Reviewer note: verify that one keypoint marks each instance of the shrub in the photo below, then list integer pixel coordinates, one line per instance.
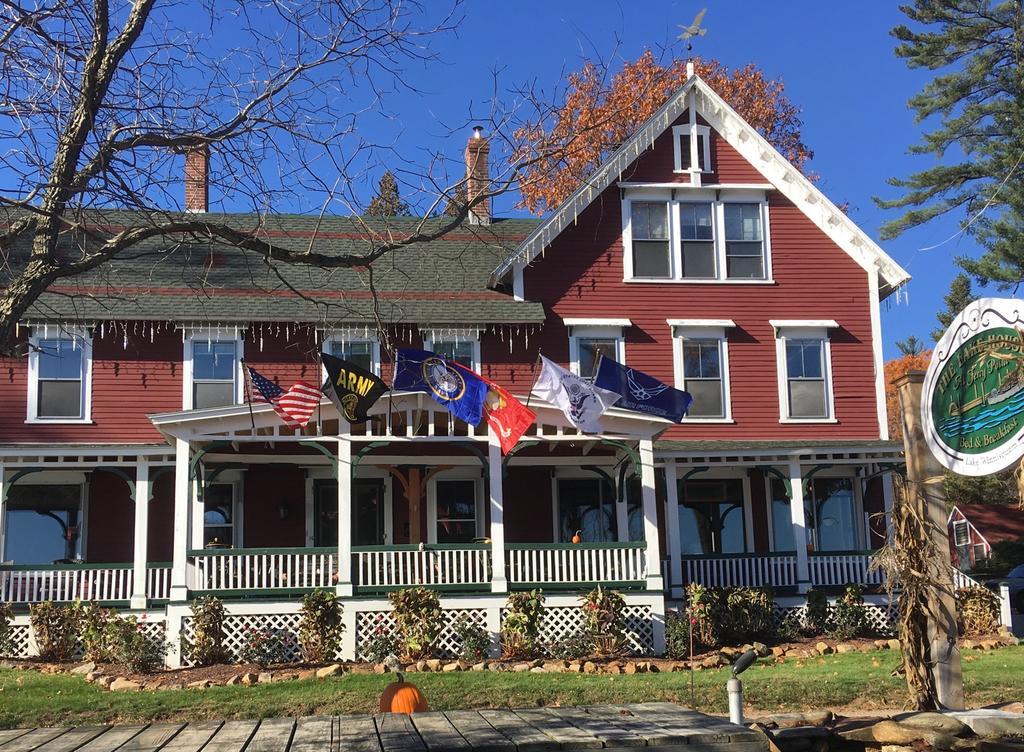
(977, 610)
(816, 613)
(848, 617)
(56, 630)
(604, 619)
(474, 640)
(419, 618)
(520, 631)
(723, 616)
(6, 630)
(382, 645)
(127, 644)
(573, 648)
(265, 647)
(320, 627)
(677, 635)
(94, 621)
(207, 644)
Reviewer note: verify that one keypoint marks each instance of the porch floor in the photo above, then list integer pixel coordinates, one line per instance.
(610, 726)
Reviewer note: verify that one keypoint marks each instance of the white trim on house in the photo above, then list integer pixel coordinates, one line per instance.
(460, 473)
(211, 335)
(778, 324)
(704, 164)
(804, 330)
(346, 336)
(722, 473)
(432, 336)
(753, 147)
(683, 329)
(81, 338)
(881, 409)
(621, 323)
(593, 330)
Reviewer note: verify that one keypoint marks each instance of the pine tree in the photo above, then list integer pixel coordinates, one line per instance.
(387, 202)
(978, 103)
(457, 202)
(957, 299)
(910, 346)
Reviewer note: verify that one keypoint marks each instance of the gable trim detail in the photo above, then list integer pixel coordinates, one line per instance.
(753, 147)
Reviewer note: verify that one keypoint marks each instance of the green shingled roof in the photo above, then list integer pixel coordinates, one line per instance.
(438, 282)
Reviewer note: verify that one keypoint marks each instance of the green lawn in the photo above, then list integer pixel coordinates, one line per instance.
(852, 680)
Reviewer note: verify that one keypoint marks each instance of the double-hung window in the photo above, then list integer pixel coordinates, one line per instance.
(362, 351)
(60, 372)
(652, 252)
(702, 366)
(592, 339)
(460, 346)
(696, 235)
(804, 361)
(213, 372)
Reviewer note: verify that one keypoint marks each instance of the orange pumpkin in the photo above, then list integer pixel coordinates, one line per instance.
(576, 538)
(402, 697)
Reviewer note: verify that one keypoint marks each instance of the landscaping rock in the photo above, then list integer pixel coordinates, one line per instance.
(323, 673)
(882, 644)
(893, 644)
(92, 676)
(83, 669)
(286, 676)
(845, 647)
(381, 668)
(630, 668)
(249, 678)
(481, 666)
(730, 652)
(589, 667)
(796, 720)
(434, 664)
(522, 668)
(890, 732)
(233, 681)
(199, 684)
(714, 661)
(989, 644)
(990, 745)
(422, 666)
(778, 651)
(554, 667)
(538, 670)
(931, 721)
(760, 648)
(968, 644)
(104, 681)
(992, 724)
(450, 667)
(823, 648)
(574, 667)
(265, 677)
(309, 673)
(613, 668)
(120, 684)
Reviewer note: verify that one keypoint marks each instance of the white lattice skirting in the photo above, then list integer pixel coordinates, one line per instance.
(373, 623)
(560, 624)
(883, 616)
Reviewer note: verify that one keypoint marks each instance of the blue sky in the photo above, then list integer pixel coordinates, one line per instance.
(836, 59)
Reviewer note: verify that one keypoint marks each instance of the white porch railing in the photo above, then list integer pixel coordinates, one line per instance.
(35, 583)
(741, 570)
(263, 569)
(961, 580)
(843, 568)
(158, 582)
(569, 564)
(452, 566)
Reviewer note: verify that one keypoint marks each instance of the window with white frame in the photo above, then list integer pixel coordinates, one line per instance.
(710, 236)
(652, 253)
(457, 514)
(60, 375)
(219, 515)
(43, 523)
(592, 339)
(702, 366)
(460, 346)
(804, 363)
(362, 351)
(961, 533)
(681, 137)
(213, 372)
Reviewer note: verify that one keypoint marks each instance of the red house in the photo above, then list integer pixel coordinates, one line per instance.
(975, 528)
(134, 473)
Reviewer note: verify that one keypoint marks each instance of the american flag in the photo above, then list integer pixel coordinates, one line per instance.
(295, 406)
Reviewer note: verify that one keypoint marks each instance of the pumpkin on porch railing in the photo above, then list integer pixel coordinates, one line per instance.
(576, 538)
(402, 697)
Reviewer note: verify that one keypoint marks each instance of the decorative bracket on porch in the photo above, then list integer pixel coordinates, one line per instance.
(18, 476)
(515, 450)
(358, 456)
(156, 474)
(122, 475)
(887, 467)
(774, 472)
(806, 484)
(331, 456)
(689, 474)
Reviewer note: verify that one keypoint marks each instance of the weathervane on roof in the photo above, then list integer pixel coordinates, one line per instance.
(693, 30)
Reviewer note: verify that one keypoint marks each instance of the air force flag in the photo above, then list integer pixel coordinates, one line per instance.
(458, 390)
(582, 402)
(642, 393)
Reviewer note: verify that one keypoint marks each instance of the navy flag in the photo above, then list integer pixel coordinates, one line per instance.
(642, 393)
(458, 390)
(352, 389)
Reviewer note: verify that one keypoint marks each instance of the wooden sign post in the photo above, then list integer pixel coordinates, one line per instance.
(926, 497)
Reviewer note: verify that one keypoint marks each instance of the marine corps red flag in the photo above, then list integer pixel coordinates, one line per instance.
(508, 417)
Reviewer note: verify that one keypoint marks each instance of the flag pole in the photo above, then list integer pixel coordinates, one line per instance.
(248, 398)
(529, 395)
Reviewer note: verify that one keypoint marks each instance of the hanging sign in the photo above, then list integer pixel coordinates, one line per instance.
(972, 404)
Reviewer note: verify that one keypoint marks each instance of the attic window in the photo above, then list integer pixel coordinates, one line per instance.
(681, 138)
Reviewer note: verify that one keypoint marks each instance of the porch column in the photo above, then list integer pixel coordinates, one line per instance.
(675, 545)
(179, 561)
(654, 578)
(887, 501)
(3, 510)
(796, 515)
(344, 587)
(499, 584)
(141, 549)
(622, 517)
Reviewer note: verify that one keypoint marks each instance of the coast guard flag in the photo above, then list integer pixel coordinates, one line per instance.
(640, 392)
(457, 389)
(582, 402)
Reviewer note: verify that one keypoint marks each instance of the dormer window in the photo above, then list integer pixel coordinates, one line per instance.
(681, 136)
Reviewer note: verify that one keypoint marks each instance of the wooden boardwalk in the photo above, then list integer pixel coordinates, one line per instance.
(660, 725)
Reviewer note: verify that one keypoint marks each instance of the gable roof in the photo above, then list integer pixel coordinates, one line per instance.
(753, 147)
(995, 522)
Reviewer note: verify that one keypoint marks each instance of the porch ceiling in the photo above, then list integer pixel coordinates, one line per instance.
(402, 416)
(768, 451)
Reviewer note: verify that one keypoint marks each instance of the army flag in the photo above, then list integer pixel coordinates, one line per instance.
(352, 389)
(640, 392)
(582, 402)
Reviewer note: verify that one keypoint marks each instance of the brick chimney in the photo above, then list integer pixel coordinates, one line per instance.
(197, 179)
(478, 176)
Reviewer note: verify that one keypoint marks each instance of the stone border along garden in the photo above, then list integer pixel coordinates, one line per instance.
(119, 655)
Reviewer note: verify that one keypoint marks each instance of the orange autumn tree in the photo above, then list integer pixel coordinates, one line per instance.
(598, 114)
(893, 370)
